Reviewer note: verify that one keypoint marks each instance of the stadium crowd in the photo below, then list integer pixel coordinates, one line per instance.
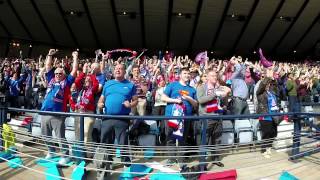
(170, 86)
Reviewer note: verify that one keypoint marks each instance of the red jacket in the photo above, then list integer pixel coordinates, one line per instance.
(72, 102)
(85, 101)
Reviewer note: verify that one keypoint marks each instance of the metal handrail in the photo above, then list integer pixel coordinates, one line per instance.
(129, 117)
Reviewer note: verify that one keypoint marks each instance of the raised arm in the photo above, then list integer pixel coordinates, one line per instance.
(23, 78)
(49, 60)
(129, 68)
(103, 62)
(265, 82)
(262, 87)
(95, 84)
(237, 71)
(79, 79)
(34, 80)
(75, 55)
(171, 66)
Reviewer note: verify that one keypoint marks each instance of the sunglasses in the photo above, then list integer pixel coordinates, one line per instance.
(58, 73)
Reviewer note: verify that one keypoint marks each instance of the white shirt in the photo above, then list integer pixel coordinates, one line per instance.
(159, 93)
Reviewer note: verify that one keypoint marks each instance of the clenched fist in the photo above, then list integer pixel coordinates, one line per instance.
(75, 54)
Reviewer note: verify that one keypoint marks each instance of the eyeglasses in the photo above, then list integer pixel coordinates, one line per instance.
(58, 73)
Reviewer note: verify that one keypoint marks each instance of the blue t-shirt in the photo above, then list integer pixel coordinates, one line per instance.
(115, 93)
(57, 93)
(15, 85)
(50, 75)
(173, 91)
(101, 78)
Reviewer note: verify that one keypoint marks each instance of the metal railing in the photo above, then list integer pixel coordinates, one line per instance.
(204, 148)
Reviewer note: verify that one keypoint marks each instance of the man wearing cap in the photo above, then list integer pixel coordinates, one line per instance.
(58, 88)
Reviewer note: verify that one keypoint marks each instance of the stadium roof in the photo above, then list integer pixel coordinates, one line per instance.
(221, 26)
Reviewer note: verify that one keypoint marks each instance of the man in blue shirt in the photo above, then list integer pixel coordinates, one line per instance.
(239, 88)
(15, 85)
(118, 97)
(55, 100)
(179, 93)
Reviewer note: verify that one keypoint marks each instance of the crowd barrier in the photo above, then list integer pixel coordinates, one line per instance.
(202, 150)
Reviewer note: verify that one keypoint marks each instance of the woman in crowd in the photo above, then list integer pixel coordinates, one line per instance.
(159, 106)
(87, 87)
(267, 104)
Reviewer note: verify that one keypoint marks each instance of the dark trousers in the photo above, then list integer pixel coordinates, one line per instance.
(268, 130)
(28, 98)
(160, 111)
(294, 106)
(96, 131)
(173, 144)
(119, 127)
(239, 107)
(250, 89)
(13, 101)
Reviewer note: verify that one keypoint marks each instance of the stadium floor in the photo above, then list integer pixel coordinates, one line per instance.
(249, 164)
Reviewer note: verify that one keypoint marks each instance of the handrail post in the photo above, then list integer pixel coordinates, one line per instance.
(82, 129)
(80, 147)
(203, 143)
(82, 143)
(3, 119)
(296, 130)
(1, 123)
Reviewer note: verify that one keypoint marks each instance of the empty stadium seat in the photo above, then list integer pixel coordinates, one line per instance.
(227, 132)
(70, 129)
(244, 130)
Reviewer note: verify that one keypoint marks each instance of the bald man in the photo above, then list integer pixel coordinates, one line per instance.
(118, 97)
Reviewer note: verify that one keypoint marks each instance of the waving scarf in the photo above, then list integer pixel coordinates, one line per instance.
(201, 57)
(263, 60)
